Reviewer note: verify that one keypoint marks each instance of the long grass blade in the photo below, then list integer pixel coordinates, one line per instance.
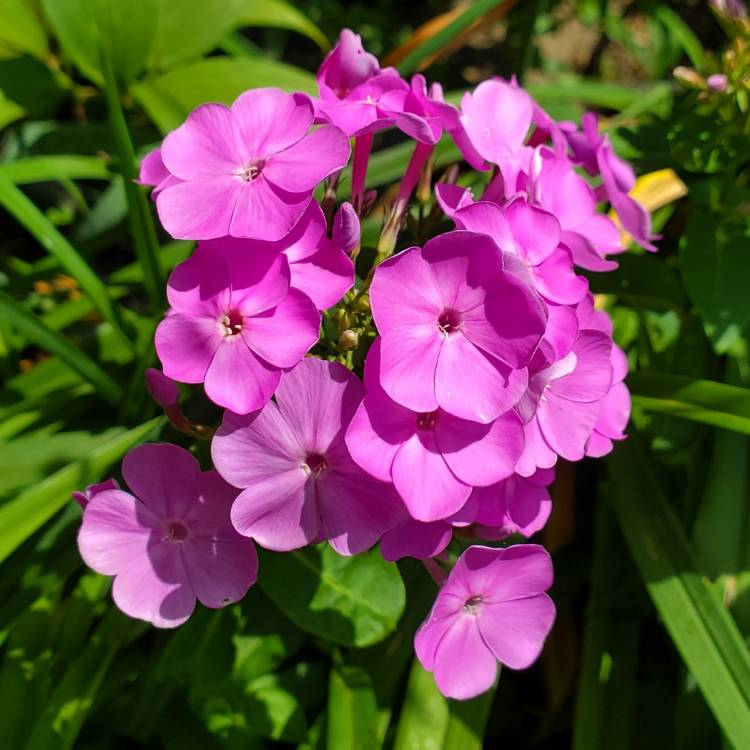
(57, 344)
(22, 516)
(57, 167)
(141, 219)
(707, 401)
(701, 628)
(29, 216)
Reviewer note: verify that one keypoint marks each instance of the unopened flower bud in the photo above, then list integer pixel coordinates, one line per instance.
(348, 340)
(162, 389)
(346, 228)
(362, 303)
(689, 77)
(717, 82)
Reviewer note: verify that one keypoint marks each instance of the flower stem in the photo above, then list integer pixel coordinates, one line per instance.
(362, 148)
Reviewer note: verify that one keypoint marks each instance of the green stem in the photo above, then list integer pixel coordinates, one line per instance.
(467, 721)
(140, 215)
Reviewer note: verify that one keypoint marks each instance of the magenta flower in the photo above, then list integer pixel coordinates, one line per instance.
(563, 401)
(248, 170)
(318, 266)
(154, 173)
(83, 498)
(346, 231)
(170, 542)
(417, 539)
(533, 235)
(496, 117)
(493, 607)
(235, 328)
(299, 483)
(432, 458)
(517, 505)
(449, 315)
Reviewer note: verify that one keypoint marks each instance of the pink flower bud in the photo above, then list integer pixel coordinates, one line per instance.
(162, 389)
(84, 497)
(346, 229)
(717, 82)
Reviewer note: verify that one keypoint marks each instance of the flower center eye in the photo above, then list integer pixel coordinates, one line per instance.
(473, 604)
(176, 532)
(315, 464)
(427, 420)
(250, 171)
(231, 323)
(449, 322)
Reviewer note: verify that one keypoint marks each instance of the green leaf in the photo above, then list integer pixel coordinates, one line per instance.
(424, 714)
(27, 214)
(715, 266)
(590, 92)
(9, 111)
(21, 517)
(718, 404)
(700, 627)
(54, 343)
(125, 29)
(141, 219)
(432, 45)
(188, 29)
(467, 720)
(59, 167)
(20, 29)
(58, 726)
(352, 710)
(607, 691)
(683, 35)
(280, 14)
(169, 98)
(354, 601)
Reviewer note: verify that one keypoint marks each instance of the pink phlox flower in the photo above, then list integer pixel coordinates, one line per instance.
(345, 67)
(299, 483)
(318, 267)
(517, 505)
(84, 497)
(533, 236)
(248, 170)
(449, 315)
(593, 151)
(496, 118)
(153, 173)
(451, 197)
(563, 401)
(615, 410)
(433, 458)
(492, 608)
(234, 326)
(168, 541)
(553, 185)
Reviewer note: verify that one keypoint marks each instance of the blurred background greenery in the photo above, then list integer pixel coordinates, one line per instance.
(651, 548)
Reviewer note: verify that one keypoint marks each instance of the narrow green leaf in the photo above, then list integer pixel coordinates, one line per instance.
(141, 218)
(683, 35)
(354, 601)
(70, 703)
(605, 699)
(126, 29)
(590, 92)
(432, 45)
(467, 720)
(352, 710)
(718, 404)
(169, 98)
(424, 714)
(58, 167)
(56, 344)
(21, 517)
(280, 14)
(27, 214)
(20, 29)
(700, 627)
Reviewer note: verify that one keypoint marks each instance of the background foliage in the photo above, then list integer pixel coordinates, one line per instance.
(652, 549)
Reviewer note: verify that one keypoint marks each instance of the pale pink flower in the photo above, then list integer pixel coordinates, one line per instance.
(169, 540)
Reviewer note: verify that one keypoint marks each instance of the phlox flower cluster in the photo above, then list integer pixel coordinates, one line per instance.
(468, 362)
